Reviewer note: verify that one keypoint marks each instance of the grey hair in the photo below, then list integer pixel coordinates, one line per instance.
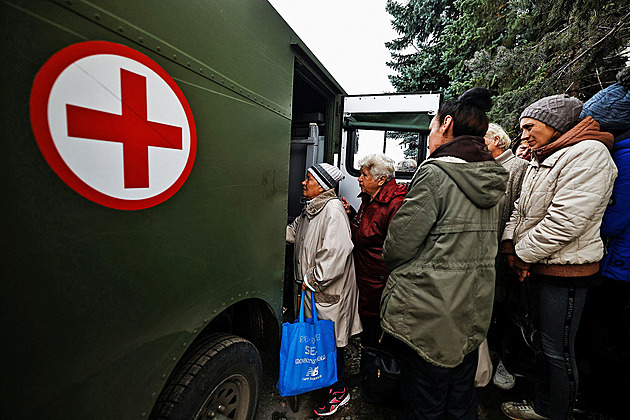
(496, 130)
(407, 165)
(378, 165)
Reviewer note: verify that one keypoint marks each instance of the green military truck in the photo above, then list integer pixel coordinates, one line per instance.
(153, 156)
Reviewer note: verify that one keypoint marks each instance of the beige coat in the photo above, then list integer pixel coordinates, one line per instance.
(517, 168)
(557, 217)
(323, 253)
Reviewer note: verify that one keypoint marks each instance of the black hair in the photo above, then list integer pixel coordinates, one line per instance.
(468, 112)
(516, 142)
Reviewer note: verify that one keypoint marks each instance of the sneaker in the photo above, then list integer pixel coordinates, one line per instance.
(337, 399)
(502, 378)
(520, 411)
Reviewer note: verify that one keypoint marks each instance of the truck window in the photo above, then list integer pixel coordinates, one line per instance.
(405, 148)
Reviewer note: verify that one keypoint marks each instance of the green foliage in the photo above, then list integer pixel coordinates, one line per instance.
(408, 141)
(521, 50)
(417, 54)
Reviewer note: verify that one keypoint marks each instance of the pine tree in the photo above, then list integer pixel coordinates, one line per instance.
(417, 56)
(520, 49)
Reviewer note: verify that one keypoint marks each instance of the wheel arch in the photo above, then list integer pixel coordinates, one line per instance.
(252, 319)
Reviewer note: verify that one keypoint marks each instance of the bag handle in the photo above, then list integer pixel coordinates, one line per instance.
(313, 310)
(301, 316)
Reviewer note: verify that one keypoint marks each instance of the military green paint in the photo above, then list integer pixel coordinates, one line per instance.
(100, 304)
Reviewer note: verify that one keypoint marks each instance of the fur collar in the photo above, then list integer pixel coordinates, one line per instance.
(318, 203)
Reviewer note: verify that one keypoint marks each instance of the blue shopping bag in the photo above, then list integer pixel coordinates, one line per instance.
(308, 354)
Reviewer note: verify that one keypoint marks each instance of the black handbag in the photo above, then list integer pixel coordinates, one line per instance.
(521, 349)
(380, 376)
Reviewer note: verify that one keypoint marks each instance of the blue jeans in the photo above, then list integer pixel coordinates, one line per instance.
(556, 311)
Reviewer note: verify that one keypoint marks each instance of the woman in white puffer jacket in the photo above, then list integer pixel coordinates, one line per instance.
(552, 240)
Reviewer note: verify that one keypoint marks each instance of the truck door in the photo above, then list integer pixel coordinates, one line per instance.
(394, 124)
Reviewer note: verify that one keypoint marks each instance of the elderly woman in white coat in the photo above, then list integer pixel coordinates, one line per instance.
(324, 265)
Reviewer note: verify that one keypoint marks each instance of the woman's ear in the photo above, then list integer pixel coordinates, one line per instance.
(556, 135)
(447, 124)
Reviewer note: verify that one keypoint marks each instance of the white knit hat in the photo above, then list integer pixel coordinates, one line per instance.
(326, 175)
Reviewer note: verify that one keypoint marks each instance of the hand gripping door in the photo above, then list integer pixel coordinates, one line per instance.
(308, 354)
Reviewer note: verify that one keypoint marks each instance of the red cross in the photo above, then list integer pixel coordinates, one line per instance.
(132, 129)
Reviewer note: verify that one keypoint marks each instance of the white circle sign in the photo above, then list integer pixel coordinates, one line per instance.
(115, 127)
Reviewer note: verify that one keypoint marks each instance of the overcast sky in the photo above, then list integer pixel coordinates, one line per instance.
(348, 37)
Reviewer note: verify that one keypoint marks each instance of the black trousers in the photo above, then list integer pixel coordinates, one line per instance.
(602, 345)
(341, 371)
(432, 392)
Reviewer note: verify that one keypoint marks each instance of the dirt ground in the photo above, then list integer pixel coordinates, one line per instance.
(274, 407)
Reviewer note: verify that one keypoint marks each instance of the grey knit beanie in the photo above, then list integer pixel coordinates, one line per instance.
(561, 112)
(326, 175)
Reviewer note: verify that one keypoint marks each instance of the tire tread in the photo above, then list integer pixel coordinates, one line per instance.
(190, 366)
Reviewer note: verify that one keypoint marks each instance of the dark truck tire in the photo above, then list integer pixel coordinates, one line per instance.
(219, 379)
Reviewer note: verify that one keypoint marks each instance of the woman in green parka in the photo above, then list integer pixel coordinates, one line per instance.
(440, 251)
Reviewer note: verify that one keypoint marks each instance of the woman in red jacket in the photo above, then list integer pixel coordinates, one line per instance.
(381, 198)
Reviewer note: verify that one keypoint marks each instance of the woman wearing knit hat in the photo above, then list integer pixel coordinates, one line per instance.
(605, 334)
(324, 265)
(552, 240)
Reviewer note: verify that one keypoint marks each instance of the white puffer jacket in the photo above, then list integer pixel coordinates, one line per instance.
(563, 198)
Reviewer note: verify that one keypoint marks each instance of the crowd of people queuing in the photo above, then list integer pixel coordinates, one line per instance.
(433, 266)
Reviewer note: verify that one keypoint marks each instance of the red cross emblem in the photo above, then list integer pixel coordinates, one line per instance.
(113, 125)
(132, 129)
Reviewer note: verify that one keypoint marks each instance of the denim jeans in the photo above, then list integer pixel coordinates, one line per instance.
(556, 311)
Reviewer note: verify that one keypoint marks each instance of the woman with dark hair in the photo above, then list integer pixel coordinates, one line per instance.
(440, 252)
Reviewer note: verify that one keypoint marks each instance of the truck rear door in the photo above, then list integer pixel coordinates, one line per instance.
(394, 124)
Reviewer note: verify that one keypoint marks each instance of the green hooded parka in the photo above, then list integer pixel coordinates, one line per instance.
(440, 251)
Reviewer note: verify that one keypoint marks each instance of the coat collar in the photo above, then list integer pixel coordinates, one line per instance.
(468, 148)
(587, 129)
(318, 203)
(390, 190)
(506, 156)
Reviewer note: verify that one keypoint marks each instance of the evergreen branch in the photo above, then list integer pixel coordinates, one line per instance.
(618, 26)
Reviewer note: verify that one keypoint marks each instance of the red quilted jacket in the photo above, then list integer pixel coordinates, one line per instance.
(369, 229)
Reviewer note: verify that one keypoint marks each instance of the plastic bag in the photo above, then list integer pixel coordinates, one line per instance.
(308, 354)
(484, 365)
